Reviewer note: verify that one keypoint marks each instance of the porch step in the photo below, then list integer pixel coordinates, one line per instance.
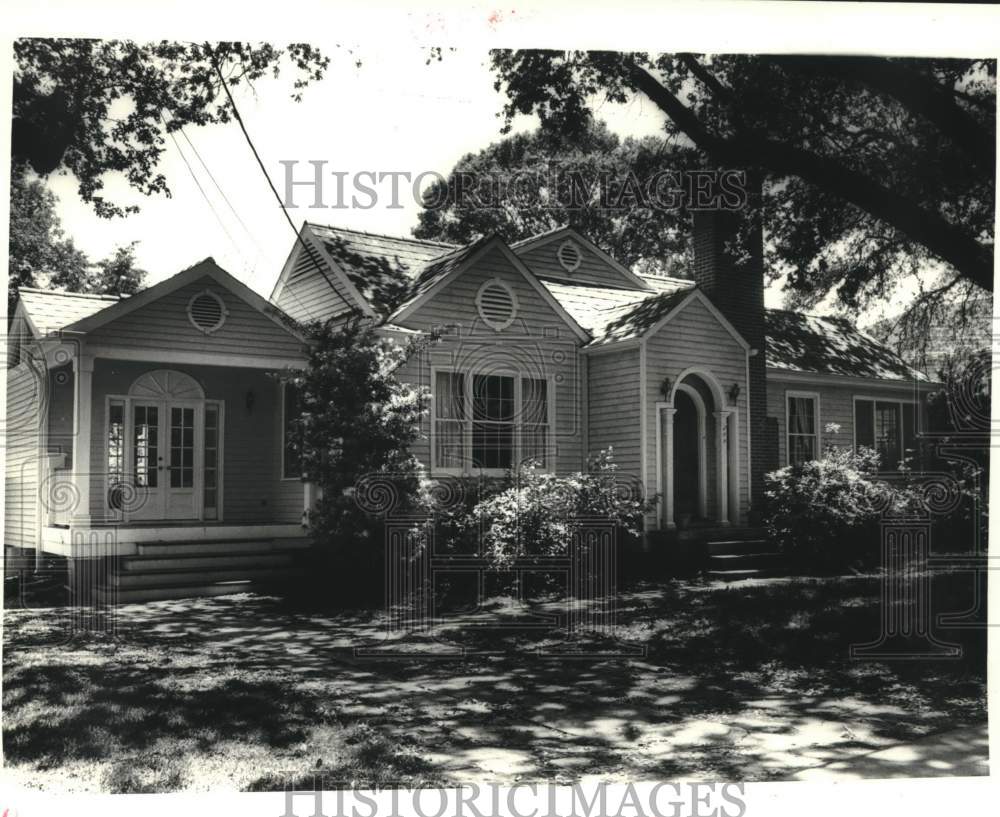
(177, 570)
(228, 561)
(135, 595)
(220, 547)
(182, 578)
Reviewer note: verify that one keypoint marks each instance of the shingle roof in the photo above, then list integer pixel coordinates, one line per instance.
(611, 314)
(391, 272)
(810, 343)
(52, 310)
(382, 267)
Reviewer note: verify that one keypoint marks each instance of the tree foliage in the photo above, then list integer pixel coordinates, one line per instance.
(355, 425)
(40, 254)
(93, 107)
(38, 245)
(527, 184)
(878, 173)
(118, 274)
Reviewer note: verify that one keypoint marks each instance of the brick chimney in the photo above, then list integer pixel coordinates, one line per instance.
(732, 276)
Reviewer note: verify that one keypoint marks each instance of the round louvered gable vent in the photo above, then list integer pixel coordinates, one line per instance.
(569, 256)
(497, 304)
(207, 311)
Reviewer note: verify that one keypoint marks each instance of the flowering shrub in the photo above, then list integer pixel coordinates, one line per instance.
(826, 511)
(538, 512)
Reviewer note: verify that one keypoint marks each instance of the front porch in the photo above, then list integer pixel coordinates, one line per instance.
(102, 540)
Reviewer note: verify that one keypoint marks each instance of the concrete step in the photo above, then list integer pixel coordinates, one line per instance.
(724, 546)
(193, 578)
(133, 595)
(733, 561)
(223, 561)
(223, 546)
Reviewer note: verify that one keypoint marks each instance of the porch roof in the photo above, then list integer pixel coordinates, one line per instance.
(52, 310)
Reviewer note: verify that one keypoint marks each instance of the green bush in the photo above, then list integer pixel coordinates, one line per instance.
(825, 513)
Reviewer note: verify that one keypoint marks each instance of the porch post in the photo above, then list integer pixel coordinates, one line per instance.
(83, 374)
(668, 468)
(721, 435)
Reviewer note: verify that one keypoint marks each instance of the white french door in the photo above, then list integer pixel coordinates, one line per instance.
(166, 456)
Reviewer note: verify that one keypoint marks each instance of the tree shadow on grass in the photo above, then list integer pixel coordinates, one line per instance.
(746, 683)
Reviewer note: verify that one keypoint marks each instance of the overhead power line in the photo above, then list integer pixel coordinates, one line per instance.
(208, 201)
(310, 251)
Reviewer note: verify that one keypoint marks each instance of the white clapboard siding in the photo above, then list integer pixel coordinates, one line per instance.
(164, 324)
(695, 338)
(593, 269)
(836, 405)
(23, 440)
(538, 343)
(308, 295)
(613, 412)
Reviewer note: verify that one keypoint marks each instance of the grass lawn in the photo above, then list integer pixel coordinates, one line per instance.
(748, 682)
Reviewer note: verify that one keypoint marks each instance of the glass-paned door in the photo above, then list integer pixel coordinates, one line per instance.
(146, 462)
(180, 494)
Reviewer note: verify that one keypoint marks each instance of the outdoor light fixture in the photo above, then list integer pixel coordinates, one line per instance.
(251, 398)
(734, 393)
(665, 387)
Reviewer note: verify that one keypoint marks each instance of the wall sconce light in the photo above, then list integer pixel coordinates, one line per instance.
(666, 387)
(734, 393)
(251, 398)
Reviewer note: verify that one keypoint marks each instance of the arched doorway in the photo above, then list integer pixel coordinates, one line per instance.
(689, 429)
(161, 454)
(698, 440)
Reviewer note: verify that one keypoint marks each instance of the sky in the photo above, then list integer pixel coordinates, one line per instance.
(395, 112)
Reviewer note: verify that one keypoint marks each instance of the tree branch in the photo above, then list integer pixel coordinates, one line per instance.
(917, 93)
(942, 238)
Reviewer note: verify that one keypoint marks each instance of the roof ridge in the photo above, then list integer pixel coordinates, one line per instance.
(384, 235)
(67, 293)
(812, 315)
(544, 233)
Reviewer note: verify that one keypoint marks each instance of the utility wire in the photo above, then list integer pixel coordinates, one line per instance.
(222, 193)
(310, 251)
(208, 201)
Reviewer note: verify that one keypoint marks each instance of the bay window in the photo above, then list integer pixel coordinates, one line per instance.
(489, 422)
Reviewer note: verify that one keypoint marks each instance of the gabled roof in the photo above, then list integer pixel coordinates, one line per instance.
(526, 245)
(822, 345)
(49, 311)
(441, 271)
(119, 307)
(382, 268)
(612, 315)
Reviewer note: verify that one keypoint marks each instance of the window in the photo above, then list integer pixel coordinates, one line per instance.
(181, 447)
(145, 445)
(116, 453)
(490, 422)
(888, 426)
(291, 461)
(449, 432)
(210, 489)
(802, 410)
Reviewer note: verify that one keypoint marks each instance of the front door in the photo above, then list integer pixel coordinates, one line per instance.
(687, 452)
(166, 466)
